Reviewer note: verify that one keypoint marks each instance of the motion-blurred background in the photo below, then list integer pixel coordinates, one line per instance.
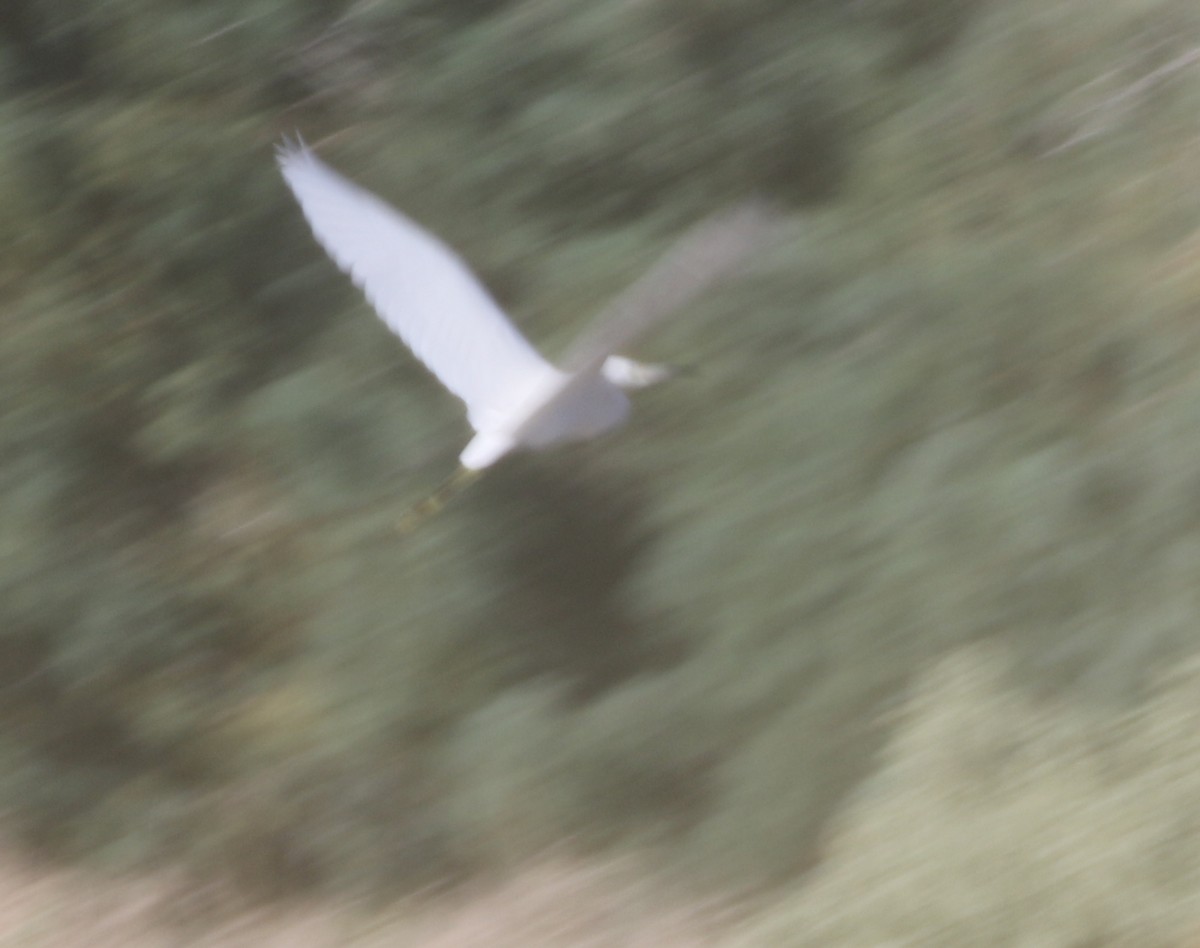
(878, 628)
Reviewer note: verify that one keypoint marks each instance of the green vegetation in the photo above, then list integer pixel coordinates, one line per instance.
(872, 612)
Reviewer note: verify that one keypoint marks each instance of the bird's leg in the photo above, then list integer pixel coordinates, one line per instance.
(461, 479)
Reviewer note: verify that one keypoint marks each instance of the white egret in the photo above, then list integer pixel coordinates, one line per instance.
(427, 296)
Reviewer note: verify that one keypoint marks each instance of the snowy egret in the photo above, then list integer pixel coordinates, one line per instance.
(427, 296)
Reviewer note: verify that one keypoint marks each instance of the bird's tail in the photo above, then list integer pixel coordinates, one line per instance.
(421, 511)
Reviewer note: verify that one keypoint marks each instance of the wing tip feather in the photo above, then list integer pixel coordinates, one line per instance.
(292, 149)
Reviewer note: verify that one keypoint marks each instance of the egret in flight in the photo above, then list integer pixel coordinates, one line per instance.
(428, 297)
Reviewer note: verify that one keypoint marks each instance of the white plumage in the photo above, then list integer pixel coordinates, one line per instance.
(426, 295)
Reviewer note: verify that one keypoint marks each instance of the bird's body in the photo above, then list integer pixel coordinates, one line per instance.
(426, 295)
(556, 409)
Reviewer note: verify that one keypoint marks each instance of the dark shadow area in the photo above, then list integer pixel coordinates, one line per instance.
(51, 48)
(572, 542)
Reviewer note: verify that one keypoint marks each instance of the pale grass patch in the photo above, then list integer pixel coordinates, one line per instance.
(559, 901)
(1004, 817)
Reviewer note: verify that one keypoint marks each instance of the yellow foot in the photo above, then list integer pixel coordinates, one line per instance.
(421, 511)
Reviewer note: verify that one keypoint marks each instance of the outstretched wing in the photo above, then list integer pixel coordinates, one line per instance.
(421, 289)
(708, 253)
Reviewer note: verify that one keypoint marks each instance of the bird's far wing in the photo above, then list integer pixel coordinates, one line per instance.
(419, 287)
(711, 251)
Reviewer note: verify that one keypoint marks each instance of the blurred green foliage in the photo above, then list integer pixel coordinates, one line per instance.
(955, 402)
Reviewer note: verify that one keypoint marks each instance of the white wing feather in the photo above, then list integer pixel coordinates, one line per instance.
(421, 289)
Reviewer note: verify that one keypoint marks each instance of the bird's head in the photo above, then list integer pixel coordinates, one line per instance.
(629, 374)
